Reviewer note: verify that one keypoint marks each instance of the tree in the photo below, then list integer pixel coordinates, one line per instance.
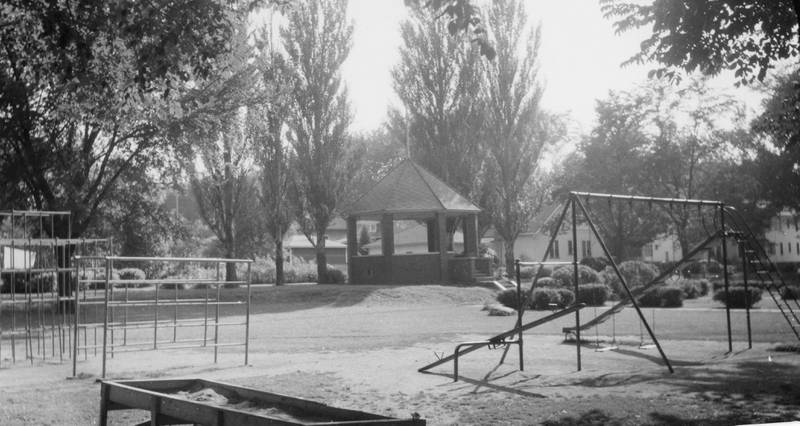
(463, 16)
(88, 90)
(318, 40)
(265, 131)
(225, 192)
(745, 36)
(611, 160)
(517, 129)
(438, 80)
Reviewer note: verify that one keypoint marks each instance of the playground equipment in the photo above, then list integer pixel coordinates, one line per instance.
(731, 226)
(170, 402)
(35, 309)
(499, 341)
(135, 314)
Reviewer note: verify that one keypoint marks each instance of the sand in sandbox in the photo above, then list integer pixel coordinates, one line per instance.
(230, 399)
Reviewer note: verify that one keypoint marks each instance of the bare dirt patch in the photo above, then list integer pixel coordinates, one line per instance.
(363, 353)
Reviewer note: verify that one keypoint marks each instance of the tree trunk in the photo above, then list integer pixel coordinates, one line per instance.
(508, 246)
(278, 261)
(322, 260)
(230, 267)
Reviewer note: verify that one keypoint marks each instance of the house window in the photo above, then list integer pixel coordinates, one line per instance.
(781, 249)
(647, 250)
(569, 247)
(789, 247)
(666, 256)
(771, 248)
(553, 252)
(586, 248)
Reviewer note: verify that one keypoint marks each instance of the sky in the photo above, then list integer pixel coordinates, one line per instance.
(580, 59)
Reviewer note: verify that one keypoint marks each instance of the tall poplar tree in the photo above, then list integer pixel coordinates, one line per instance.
(517, 129)
(318, 39)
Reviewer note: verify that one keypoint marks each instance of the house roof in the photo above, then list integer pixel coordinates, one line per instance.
(409, 188)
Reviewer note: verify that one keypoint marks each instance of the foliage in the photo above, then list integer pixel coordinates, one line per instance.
(566, 274)
(790, 293)
(23, 283)
(264, 133)
(698, 267)
(132, 274)
(547, 282)
(593, 294)
(508, 297)
(596, 263)
(635, 272)
(91, 90)
(438, 80)
(662, 297)
(317, 41)
(744, 36)
(567, 296)
(335, 276)
(543, 298)
(463, 16)
(738, 298)
(517, 130)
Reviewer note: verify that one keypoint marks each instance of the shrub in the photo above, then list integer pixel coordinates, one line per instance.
(593, 294)
(636, 273)
(662, 297)
(692, 288)
(547, 282)
(596, 263)
(567, 296)
(565, 275)
(704, 286)
(698, 267)
(24, 283)
(132, 274)
(42, 283)
(335, 276)
(738, 298)
(543, 297)
(528, 272)
(790, 293)
(508, 298)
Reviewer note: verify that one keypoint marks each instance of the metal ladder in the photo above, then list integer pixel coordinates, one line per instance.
(756, 261)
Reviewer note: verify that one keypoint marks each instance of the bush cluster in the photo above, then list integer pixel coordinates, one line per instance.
(541, 299)
(565, 276)
(738, 298)
(790, 293)
(596, 263)
(28, 283)
(662, 297)
(131, 274)
(692, 288)
(528, 272)
(636, 273)
(593, 294)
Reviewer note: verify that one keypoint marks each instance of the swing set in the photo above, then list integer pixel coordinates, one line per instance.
(757, 270)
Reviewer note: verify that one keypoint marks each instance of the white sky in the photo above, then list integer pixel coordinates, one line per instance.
(580, 58)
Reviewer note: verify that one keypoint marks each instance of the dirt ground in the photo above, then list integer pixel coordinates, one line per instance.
(361, 350)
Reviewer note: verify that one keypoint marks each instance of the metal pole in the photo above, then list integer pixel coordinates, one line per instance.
(247, 318)
(77, 312)
(520, 307)
(155, 318)
(725, 274)
(624, 283)
(575, 276)
(745, 265)
(216, 317)
(105, 316)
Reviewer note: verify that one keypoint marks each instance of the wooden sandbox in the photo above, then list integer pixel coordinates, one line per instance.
(206, 402)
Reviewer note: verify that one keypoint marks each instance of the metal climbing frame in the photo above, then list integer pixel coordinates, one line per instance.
(35, 308)
(141, 314)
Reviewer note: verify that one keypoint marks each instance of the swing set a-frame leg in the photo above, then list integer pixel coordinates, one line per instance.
(614, 265)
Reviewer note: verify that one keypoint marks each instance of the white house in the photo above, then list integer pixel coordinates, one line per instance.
(665, 248)
(531, 244)
(783, 237)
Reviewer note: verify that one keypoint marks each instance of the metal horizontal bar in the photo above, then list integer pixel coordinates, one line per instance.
(35, 213)
(164, 324)
(161, 303)
(546, 263)
(208, 345)
(647, 199)
(178, 259)
(30, 242)
(36, 270)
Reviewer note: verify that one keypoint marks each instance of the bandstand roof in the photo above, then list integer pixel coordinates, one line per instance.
(409, 189)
